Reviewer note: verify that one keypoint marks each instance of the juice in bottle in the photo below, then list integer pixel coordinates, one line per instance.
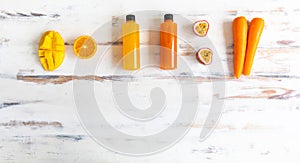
(131, 44)
(168, 43)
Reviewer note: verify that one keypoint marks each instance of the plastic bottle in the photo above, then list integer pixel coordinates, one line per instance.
(168, 43)
(131, 44)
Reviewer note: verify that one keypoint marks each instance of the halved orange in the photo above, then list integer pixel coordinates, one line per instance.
(85, 47)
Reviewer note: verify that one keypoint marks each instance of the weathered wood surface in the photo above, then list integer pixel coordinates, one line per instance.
(38, 119)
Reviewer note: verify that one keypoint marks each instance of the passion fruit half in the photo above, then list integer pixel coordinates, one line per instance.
(201, 28)
(204, 56)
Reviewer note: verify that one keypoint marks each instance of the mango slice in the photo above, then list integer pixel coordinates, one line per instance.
(51, 50)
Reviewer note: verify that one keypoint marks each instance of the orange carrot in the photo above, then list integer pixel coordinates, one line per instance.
(255, 31)
(240, 31)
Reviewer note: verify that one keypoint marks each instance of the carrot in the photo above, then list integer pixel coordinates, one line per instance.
(255, 31)
(240, 31)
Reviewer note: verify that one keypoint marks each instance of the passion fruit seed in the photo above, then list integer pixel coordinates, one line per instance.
(201, 28)
(204, 56)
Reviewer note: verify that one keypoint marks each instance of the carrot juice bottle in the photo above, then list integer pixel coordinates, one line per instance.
(168, 43)
(131, 44)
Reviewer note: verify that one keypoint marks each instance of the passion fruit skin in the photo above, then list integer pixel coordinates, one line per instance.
(200, 60)
(199, 21)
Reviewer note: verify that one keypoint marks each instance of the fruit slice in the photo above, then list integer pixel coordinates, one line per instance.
(204, 56)
(201, 28)
(51, 50)
(85, 47)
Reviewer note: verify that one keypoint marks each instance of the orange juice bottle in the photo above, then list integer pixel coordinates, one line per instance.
(168, 43)
(131, 44)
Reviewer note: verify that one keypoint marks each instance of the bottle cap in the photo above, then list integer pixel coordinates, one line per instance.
(168, 17)
(130, 17)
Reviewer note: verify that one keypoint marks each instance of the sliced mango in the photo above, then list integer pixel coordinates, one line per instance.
(51, 50)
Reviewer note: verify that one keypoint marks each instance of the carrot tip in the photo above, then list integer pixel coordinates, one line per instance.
(246, 73)
(237, 76)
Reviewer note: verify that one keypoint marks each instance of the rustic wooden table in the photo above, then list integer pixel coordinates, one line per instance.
(38, 117)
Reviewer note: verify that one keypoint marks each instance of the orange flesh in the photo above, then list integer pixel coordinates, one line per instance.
(85, 47)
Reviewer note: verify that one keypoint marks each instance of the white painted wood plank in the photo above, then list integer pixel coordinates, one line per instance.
(24, 45)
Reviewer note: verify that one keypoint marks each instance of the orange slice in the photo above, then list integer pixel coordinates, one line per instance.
(85, 47)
